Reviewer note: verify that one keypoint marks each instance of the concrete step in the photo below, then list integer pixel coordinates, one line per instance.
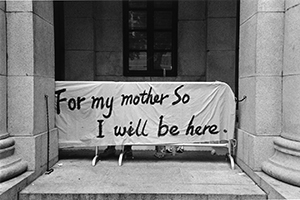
(191, 175)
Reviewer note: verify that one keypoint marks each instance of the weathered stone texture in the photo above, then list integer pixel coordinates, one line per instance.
(221, 34)
(191, 10)
(291, 107)
(250, 148)
(2, 43)
(292, 41)
(222, 8)
(20, 44)
(3, 112)
(79, 34)
(79, 65)
(221, 67)
(247, 50)
(269, 43)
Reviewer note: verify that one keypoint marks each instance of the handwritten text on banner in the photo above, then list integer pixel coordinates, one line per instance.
(118, 113)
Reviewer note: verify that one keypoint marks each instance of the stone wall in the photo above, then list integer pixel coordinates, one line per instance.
(291, 72)
(30, 76)
(206, 41)
(285, 163)
(3, 79)
(260, 79)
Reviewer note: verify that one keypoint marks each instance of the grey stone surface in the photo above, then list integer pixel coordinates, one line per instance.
(36, 150)
(268, 106)
(191, 175)
(26, 104)
(108, 10)
(20, 43)
(292, 41)
(221, 34)
(43, 86)
(291, 106)
(79, 65)
(221, 67)
(262, 109)
(191, 64)
(9, 190)
(24, 6)
(260, 144)
(247, 111)
(80, 9)
(223, 8)
(247, 51)
(191, 36)
(2, 43)
(43, 47)
(109, 35)
(240, 144)
(285, 163)
(250, 148)
(191, 10)
(269, 44)
(2, 5)
(3, 112)
(191, 48)
(20, 96)
(291, 3)
(79, 34)
(109, 63)
(277, 189)
(247, 9)
(271, 5)
(263, 181)
(44, 9)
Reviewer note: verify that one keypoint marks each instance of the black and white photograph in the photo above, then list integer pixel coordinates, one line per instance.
(149, 99)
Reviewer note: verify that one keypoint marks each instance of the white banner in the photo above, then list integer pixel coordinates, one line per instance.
(143, 113)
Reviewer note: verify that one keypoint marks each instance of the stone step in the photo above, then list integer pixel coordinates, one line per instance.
(136, 196)
(191, 175)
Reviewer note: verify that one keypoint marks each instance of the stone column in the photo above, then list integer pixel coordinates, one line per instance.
(10, 164)
(30, 76)
(260, 79)
(285, 164)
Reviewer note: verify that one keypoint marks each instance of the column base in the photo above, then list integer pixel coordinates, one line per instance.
(284, 165)
(10, 165)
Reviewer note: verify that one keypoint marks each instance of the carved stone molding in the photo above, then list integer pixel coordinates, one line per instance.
(10, 165)
(284, 165)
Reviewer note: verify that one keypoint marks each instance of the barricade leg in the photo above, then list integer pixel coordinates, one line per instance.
(121, 155)
(94, 161)
(229, 147)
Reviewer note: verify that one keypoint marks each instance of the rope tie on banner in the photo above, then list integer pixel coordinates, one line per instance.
(48, 171)
(240, 100)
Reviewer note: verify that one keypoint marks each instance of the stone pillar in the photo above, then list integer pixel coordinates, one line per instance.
(260, 79)
(285, 164)
(30, 76)
(10, 164)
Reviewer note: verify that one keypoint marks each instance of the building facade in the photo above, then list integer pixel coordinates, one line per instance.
(253, 45)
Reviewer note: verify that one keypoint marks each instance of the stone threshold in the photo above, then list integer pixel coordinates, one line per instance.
(191, 175)
(11, 188)
(275, 189)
